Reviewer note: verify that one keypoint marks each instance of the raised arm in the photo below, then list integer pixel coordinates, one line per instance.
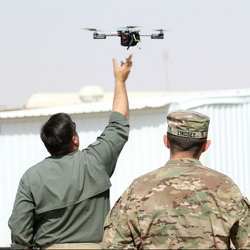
(105, 150)
(121, 72)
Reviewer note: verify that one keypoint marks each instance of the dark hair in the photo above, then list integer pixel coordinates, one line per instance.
(180, 144)
(57, 134)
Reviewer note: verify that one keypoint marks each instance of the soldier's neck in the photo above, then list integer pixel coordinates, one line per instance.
(184, 154)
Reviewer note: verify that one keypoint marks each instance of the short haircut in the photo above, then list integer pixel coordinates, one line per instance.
(181, 144)
(57, 134)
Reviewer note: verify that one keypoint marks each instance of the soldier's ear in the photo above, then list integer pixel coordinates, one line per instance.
(206, 145)
(166, 141)
(75, 140)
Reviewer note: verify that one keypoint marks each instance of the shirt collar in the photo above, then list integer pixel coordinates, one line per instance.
(184, 161)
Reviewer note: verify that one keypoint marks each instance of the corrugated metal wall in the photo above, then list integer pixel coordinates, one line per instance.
(230, 134)
(21, 147)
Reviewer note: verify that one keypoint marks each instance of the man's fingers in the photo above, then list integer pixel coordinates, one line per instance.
(129, 60)
(129, 57)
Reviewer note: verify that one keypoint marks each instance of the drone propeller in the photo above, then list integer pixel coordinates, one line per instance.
(128, 27)
(90, 29)
(160, 30)
(132, 26)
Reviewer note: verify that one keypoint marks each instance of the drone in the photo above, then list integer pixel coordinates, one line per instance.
(129, 35)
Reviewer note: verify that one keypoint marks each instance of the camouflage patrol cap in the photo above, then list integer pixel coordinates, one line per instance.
(188, 124)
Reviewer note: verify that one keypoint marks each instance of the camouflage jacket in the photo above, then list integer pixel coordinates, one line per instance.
(181, 205)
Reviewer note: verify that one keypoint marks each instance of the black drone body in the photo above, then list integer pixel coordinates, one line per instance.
(129, 35)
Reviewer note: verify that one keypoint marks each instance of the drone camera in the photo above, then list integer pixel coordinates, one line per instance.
(129, 38)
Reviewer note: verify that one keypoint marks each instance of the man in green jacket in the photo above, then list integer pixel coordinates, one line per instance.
(65, 197)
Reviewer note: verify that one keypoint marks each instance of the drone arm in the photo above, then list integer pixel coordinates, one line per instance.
(99, 36)
(157, 36)
(112, 34)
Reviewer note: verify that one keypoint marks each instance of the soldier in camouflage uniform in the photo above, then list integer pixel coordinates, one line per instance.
(182, 204)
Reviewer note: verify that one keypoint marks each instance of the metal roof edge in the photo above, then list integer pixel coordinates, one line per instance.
(201, 101)
(183, 100)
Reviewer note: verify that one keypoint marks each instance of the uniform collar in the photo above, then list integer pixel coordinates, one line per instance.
(184, 161)
(61, 156)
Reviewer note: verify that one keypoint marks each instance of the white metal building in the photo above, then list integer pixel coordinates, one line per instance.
(21, 147)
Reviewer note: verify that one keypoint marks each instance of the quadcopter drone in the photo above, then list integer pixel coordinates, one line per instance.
(129, 35)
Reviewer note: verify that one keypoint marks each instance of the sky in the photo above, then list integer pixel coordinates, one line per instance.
(43, 49)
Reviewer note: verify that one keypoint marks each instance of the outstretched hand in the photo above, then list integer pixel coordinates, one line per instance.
(122, 70)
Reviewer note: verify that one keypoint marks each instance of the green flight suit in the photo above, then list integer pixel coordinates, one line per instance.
(66, 199)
